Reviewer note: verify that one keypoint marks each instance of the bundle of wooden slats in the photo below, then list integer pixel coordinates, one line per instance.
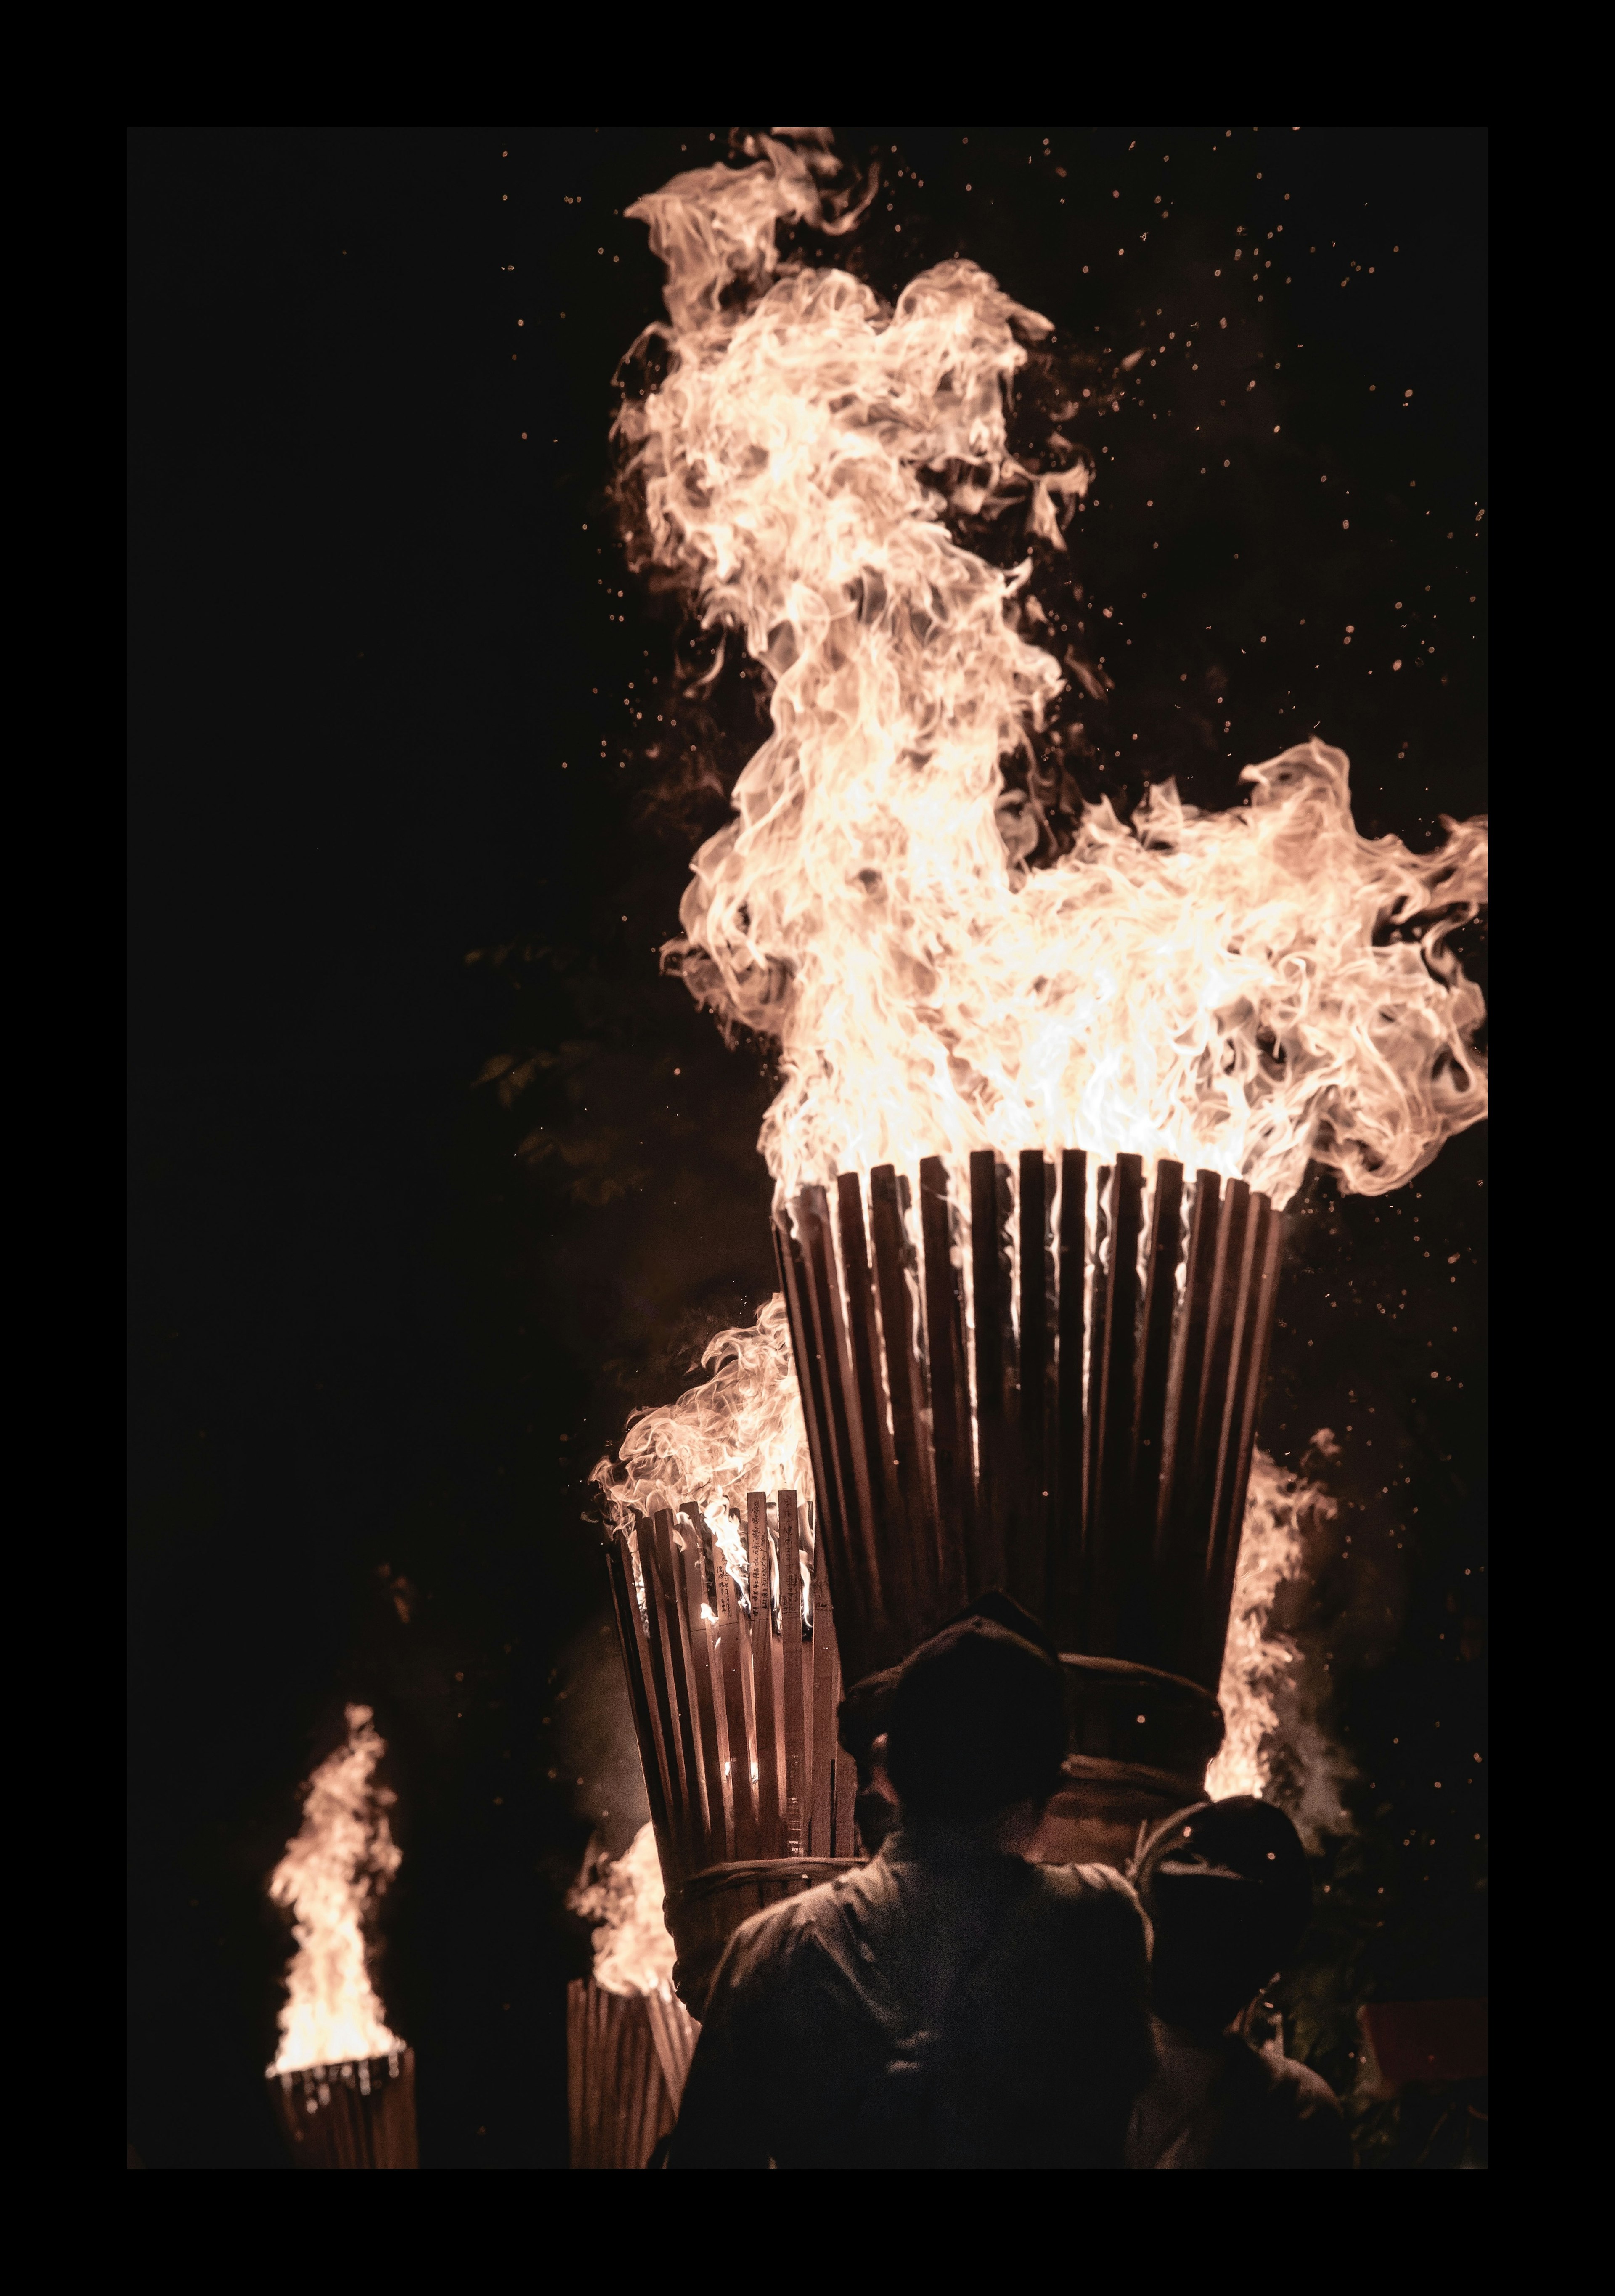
(1053, 1391)
(352, 2116)
(733, 1691)
(626, 2058)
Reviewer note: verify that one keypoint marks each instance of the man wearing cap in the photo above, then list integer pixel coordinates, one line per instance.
(1226, 1887)
(947, 2005)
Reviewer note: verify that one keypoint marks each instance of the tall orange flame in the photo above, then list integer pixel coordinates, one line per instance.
(338, 1863)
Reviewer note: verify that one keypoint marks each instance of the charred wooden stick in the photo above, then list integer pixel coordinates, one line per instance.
(815, 1379)
(1262, 1261)
(949, 1383)
(1149, 1429)
(732, 1660)
(700, 1594)
(823, 1709)
(680, 1786)
(636, 1667)
(824, 1298)
(990, 1306)
(770, 1826)
(791, 1646)
(915, 1582)
(1093, 1521)
(880, 1466)
(681, 1690)
(1066, 1547)
(1028, 1547)
(1116, 1404)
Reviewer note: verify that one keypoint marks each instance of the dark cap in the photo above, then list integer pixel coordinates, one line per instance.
(977, 1723)
(1228, 1894)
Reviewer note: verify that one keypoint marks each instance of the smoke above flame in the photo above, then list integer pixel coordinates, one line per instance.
(1247, 991)
(334, 1870)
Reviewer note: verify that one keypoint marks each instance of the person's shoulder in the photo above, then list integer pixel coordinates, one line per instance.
(780, 1934)
(1089, 1893)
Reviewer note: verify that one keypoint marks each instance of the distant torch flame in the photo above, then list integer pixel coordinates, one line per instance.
(341, 1860)
(1246, 991)
(634, 1951)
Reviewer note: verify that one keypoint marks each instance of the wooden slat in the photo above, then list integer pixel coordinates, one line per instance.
(949, 1389)
(846, 1779)
(1187, 1377)
(769, 1798)
(869, 1424)
(670, 1593)
(700, 1591)
(1098, 1334)
(732, 1659)
(1233, 1463)
(990, 1312)
(915, 1584)
(666, 1702)
(823, 1711)
(1196, 1496)
(1064, 1612)
(863, 1600)
(636, 1670)
(1027, 1557)
(1117, 1403)
(791, 1647)
(1142, 1605)
(829, 1498)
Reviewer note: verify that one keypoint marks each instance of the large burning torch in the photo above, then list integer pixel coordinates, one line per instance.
(1036, 1126)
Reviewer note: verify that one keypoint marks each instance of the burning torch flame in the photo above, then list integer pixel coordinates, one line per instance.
(1244, 991)
(633, 1950)
(342, 1858)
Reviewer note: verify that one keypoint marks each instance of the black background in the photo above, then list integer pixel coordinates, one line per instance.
(384, 1317)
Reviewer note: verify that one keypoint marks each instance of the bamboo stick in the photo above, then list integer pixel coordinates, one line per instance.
(990, 1308)
(740, 1758)
(949, 1385)
(913, 1546)
(699, 1593)
(1028, 1555)
(823, 1710)
(666, 1710)
(879, 1464)
(1184, 1388)
(1141, 1601)
(1064, 1612)
(636, 1667)
(770, 1821)
(815, 1379)
(1093, 1518)
(791, 1647)
(680, 1687)
(857, 1502)
(1116, 1408)
(1233, 1462)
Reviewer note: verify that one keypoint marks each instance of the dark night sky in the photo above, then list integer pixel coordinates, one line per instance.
(382, 1317)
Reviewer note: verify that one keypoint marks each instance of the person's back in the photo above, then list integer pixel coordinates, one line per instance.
(947, 2005)
(1226, 1887)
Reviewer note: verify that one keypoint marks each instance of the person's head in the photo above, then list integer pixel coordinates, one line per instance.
(860, 1721)
(976, 1729)
(1225, 1886)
